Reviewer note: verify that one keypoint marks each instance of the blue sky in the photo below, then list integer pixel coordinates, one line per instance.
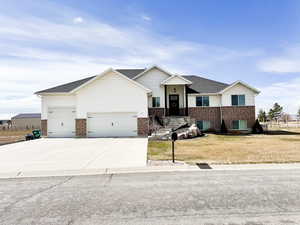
(45, 43)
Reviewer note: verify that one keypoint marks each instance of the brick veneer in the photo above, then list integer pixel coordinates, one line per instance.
(44, 127)
(160, 112)
(143, 126)
(230, 113)
(211, 114)
(80, 127)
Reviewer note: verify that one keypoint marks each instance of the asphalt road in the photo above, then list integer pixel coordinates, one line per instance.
(205, 197)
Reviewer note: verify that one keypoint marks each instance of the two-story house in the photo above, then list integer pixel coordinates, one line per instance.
(121, 102)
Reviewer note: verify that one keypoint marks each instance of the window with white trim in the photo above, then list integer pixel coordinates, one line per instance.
(202, 100)
(239, 124)
(203, 124)
(155, 102)
(238, 100)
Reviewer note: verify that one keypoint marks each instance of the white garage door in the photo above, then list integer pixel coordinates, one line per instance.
(61, 122)
(112, 124)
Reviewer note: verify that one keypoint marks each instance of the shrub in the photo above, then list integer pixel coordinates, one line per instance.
(257, 128)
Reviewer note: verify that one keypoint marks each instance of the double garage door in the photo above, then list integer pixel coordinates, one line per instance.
(111, 124)
(61, 123)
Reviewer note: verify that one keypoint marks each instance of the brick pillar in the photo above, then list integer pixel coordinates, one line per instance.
(143, 126)
(80, 127)
(44, 127)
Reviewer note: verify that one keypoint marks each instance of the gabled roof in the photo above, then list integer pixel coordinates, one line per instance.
(199, 84)
(65, 88)
(203, 85)
(242, 83)
(150, 68)
(113, 71)
(175, 80)
(130, 73)
(27, 115)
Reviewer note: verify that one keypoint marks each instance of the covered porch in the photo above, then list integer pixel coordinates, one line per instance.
(176, 96)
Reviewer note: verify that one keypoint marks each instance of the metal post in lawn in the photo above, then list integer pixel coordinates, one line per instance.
(173, 153)
(174, 138)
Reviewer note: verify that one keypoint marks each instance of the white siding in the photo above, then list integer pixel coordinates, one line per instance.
(239, 89)
(56, 101)
(214, 100)
(152, 80)
(176, 81)
(111, 93)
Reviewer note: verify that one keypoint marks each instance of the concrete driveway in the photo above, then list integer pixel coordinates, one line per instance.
(57, 156)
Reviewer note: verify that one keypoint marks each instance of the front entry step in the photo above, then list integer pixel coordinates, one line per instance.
(174, 122)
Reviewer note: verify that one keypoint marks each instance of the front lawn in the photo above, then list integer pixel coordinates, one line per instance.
(279, 146)
(11, 136)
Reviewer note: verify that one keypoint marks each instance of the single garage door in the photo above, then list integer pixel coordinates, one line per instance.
(122, 124)
(61, 122)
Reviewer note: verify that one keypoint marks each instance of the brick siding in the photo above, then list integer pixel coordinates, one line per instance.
(143, 126)
(44, 127)
(80, 127)
(160, 112)
(230, 113)
(211, 114)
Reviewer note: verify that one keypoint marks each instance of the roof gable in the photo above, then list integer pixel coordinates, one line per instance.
(113, 71)
(241, 83)
(176, 80)
(151, 68)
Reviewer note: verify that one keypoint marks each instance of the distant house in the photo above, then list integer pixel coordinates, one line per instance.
(26, 121)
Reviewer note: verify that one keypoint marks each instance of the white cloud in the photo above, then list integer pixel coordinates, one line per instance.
(58, 52)
(77, 20)
(146, 18)
(280, 65)
(286, 94)
(287, 62)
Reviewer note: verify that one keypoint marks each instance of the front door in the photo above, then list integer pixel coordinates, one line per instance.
(174, 105)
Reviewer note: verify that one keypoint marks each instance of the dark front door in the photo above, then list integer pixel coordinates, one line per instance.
(173, 105)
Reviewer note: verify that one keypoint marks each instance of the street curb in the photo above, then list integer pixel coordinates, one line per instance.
(149, 169)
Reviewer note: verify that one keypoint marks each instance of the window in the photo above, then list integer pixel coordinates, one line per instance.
(239, 124)
(202, 101)
(237, 99)
(155, 101)
(203, 124)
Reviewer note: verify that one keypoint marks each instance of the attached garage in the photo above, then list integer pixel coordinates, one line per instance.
(119, 124)
(61, 122)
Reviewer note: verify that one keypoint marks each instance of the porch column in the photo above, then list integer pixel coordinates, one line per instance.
(186, 101)
(166, 103)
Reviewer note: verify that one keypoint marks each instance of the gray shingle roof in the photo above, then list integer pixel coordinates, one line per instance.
(27, 115)
(200, 84)
(66, 87)
(203, 85)
(131, 73)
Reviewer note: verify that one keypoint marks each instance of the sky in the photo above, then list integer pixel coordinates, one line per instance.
(47, 43)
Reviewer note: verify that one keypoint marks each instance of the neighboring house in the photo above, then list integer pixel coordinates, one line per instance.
(4, 124)
(121, 102)
(26, 121)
